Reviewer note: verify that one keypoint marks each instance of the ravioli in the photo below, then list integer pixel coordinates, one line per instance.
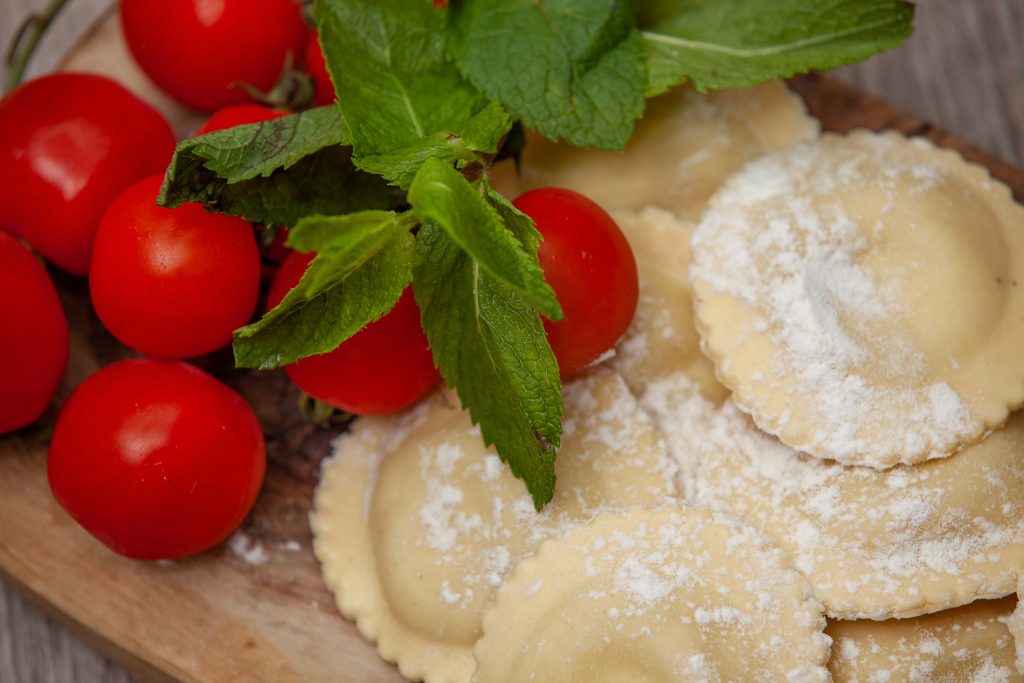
(654, 596)
(969, 644)
(662, 339)
(686, 144)
(860, 297)
(1015, 623)
(416, 523)
(873, 544)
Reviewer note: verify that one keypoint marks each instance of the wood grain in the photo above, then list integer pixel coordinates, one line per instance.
(964, 69)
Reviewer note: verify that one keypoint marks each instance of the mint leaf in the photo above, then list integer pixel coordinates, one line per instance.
(570, 69)
(490, 346)
(364, 262)
(441, 195)
(388, 62)
(519, 223)
(274, 172)
(738, 43)
(325, 182)
(259, 149)
(479, 135)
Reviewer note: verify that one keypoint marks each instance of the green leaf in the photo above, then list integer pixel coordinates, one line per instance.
(570, 69)
(388, 61)
(738, 43)
(441, 195)
(519, 223)
(325, 182)
(479, 135)
(363, 265)
(490, 346)
(274, 172)
(259, 149)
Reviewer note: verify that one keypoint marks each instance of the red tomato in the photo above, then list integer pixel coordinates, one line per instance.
(172, 283)
(196, 50)
(316, 66)
(385, 367)
(69, 143)
(587, 261)
(237, 115)
(33, 337)
(156, 459)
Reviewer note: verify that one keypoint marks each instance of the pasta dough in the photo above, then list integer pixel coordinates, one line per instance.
(1016, 626)
(873, 544)
(969, 644)
(662, 339)
(416, 523)
(860, 297)
(684, 147)
(654, 596)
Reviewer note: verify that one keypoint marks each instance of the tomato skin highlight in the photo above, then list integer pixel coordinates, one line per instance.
(384, 368)
(238, 115)
(156, 459)
(316, 66)
(69, 144)
(33, 337)
(195, 50)
(172, 283)
(590, 265)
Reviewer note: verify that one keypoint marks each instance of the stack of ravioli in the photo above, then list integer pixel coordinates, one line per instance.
(800, 464)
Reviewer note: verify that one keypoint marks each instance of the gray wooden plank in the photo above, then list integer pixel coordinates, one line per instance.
(35, 649)
(963, 69)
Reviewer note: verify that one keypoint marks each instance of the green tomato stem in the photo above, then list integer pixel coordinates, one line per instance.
(25, 42)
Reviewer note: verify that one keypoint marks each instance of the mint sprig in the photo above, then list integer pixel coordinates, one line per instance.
(389, 187)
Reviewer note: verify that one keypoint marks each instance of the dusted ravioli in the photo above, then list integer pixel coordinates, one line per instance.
(684, 147)
(416, 523)
(860, 297)
(873, 544)
(662, 340)
(654, 596)
(1016, 625)
(969, 644)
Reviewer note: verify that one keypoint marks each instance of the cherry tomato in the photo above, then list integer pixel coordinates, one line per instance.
(172, 283)
(237, 115)
(587, 261)
(197, 50)
(69, 143)
(316, 66)
(33, 337)
(156, 459)
(385, 367)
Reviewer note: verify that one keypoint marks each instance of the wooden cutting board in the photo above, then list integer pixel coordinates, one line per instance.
(255, 610)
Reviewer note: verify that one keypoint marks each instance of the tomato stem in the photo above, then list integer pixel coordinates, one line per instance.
(25, 42)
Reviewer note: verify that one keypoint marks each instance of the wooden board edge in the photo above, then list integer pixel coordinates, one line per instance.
(843, 107)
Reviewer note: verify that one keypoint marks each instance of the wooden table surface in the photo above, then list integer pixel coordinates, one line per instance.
(963, 69)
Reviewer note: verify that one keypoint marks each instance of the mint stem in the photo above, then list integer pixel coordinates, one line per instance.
(25, 42)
